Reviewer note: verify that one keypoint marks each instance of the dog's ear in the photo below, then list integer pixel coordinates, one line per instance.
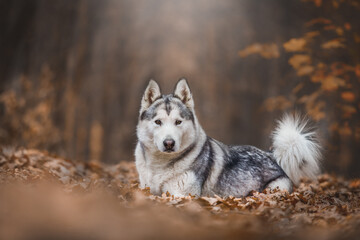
(152, 92)
(182, 91)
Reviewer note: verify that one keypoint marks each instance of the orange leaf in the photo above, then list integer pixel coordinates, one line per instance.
(357, 133)
(356, 38)
(345, 130)
(335, 43)
(298, 88)
(318, 76)
(305, 70)
(348, 111)
(357, 70)
(347, 26)
(312, 34)
(299, 59)
(316, 110)
(318, 3)
(348, 96)
(267, 51)
(355, 183)
(277, 103)
(339, 31)
(334, 127)
(295, 45)
(318, 20)
(331, 83)
(329, 27)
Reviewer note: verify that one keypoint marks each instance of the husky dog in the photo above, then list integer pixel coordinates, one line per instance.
(174, 154)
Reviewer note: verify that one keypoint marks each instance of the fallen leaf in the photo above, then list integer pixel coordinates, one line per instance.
(212, 201)
(355, 183)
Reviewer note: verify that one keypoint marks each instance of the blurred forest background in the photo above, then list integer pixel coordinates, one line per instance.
(73, 72)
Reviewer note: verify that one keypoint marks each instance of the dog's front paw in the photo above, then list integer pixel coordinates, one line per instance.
(178, 195)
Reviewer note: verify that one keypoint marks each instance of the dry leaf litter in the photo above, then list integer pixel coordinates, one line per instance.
(45, 197)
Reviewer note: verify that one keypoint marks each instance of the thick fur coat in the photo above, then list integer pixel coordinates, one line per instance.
(174, 154)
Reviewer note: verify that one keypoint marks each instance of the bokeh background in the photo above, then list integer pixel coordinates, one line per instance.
(72, 73)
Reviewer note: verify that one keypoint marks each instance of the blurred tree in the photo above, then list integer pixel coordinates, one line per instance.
(72, 72)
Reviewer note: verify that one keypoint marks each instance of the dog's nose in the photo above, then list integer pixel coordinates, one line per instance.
(169, 143)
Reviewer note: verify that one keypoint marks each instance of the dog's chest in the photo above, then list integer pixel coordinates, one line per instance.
(159, 179)
(156, 177)
(152, 175)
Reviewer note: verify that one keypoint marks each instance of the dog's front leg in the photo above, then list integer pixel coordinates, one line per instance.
(183, 185)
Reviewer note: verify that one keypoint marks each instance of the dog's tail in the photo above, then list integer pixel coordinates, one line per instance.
(296, 148)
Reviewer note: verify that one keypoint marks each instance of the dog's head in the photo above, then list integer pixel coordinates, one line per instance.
(167, 122)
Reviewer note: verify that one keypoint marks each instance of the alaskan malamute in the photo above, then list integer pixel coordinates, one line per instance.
(174, 154)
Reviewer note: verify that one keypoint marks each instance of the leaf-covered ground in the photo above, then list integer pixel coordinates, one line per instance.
(46, 197)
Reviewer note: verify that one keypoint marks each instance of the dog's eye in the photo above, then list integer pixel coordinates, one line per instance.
(178, 122)
(158, 122)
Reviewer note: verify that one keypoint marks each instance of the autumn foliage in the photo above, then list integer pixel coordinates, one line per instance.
(324, 81)
(314, 57)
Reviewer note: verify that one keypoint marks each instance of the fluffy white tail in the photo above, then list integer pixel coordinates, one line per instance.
(296, 148)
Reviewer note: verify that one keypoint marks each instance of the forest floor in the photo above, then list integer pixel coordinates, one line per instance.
(43, 196)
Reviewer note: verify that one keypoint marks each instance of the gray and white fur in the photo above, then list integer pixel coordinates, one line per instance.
(174, 154)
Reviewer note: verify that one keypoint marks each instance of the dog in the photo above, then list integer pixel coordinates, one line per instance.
(173, 153)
